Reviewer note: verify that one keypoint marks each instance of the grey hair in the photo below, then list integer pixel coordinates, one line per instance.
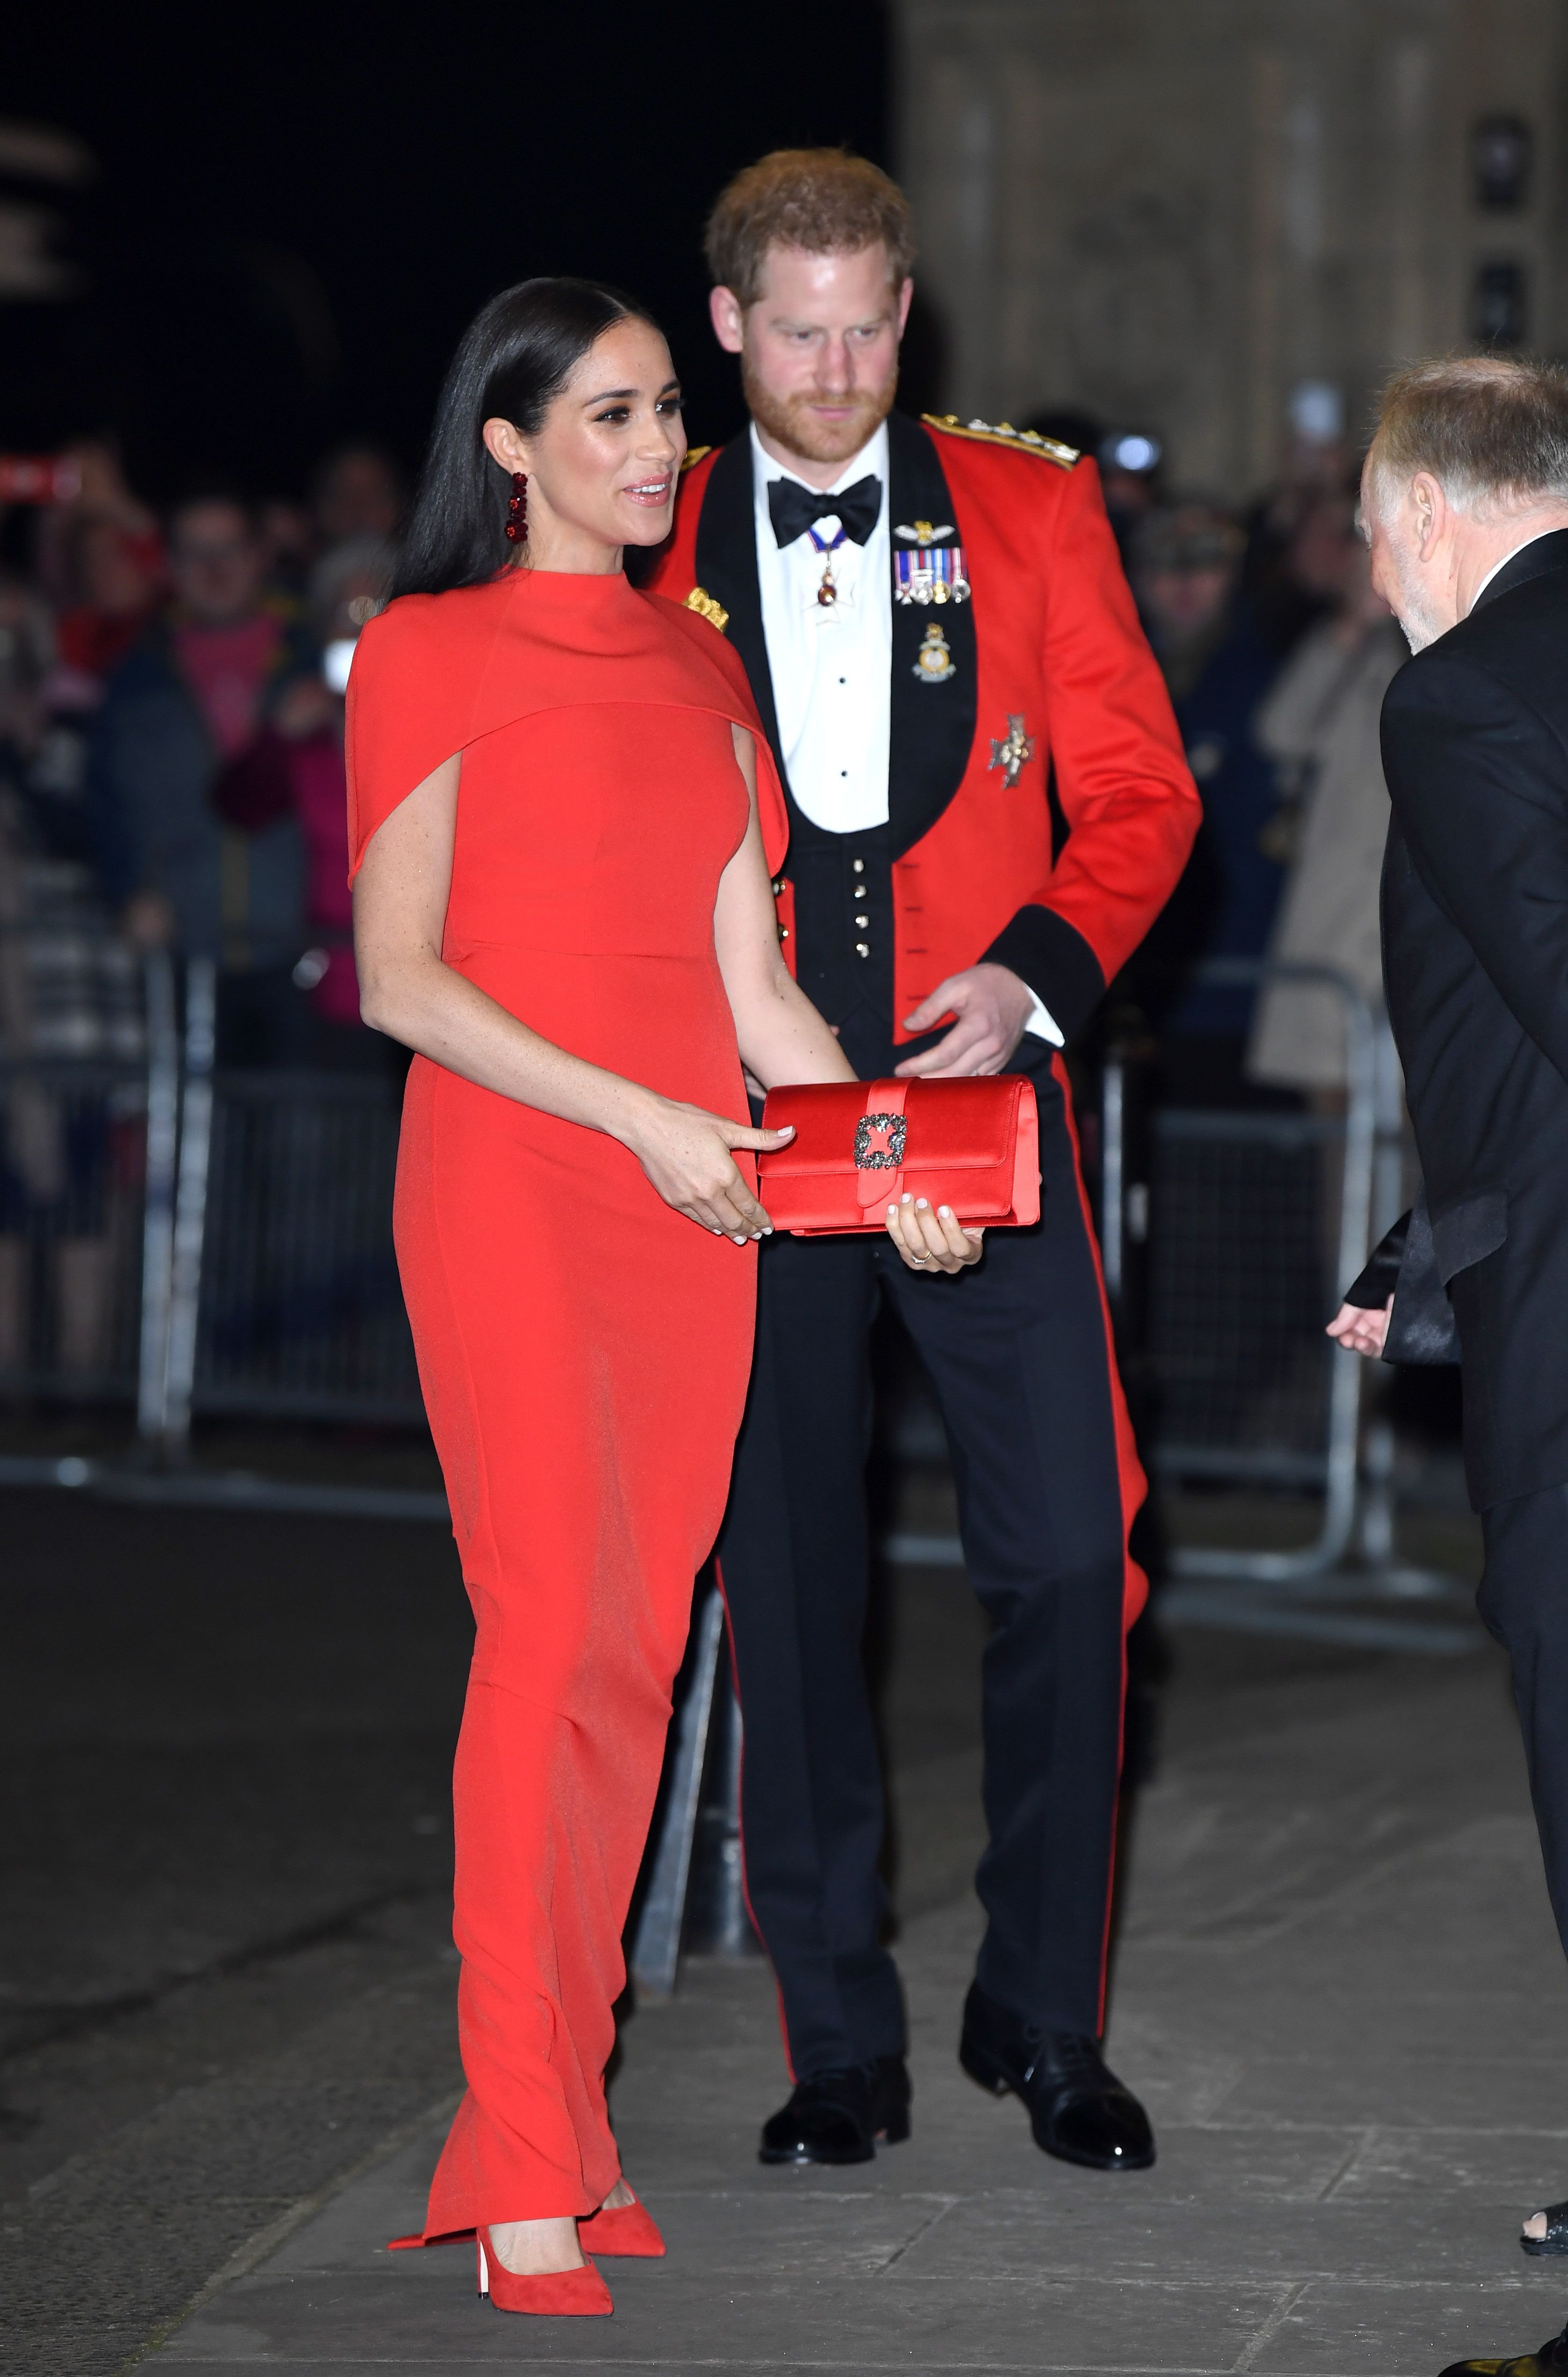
(1492, 430)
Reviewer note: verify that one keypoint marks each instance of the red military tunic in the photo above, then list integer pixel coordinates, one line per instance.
(1057, 645)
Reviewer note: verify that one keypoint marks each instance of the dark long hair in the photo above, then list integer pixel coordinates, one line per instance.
(515, 358)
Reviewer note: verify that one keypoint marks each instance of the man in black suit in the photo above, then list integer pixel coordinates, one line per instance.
(1465, 497)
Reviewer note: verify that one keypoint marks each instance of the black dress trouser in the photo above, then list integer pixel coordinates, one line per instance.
(1524, 1603)
(1017, 1352)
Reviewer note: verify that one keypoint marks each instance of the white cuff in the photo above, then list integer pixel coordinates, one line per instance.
(1043, 1024)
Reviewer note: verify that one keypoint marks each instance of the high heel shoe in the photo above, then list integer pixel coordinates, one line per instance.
(548, 2293)
(628, 2229)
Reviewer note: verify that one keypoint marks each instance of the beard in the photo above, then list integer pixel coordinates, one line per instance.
(790, 420)
(1413, 607)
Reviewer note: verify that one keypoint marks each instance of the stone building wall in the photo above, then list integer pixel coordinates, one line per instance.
(1171, 212)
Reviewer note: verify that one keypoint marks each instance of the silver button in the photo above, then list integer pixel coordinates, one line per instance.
(862, 922)
(861, 950)
(860, 866)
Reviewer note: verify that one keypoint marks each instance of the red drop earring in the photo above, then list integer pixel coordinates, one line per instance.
(518, 509)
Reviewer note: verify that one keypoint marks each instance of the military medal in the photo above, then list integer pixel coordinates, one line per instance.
(935, 662)
(828, 593)
(1010, 752)
(933, 572)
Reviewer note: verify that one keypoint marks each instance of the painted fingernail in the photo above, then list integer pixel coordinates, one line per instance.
(946, 1211)
(922, 1205)
(906, 1199)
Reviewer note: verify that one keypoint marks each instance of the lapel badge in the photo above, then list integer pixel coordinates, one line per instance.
(1010, 752)
(935, 662)
(932, 572)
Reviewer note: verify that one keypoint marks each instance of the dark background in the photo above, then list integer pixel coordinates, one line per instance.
(296, 211)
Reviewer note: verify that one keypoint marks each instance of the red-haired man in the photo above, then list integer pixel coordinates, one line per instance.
(936, 628)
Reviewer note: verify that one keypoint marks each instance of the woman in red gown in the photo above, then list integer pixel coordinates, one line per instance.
(563, 818)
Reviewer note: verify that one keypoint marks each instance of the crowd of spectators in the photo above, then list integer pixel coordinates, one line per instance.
(1276, 654)
(171, 750)
(171, 777)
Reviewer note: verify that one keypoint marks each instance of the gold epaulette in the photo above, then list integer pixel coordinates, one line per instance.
(702, 602)
(693, 454)
(1002, 433)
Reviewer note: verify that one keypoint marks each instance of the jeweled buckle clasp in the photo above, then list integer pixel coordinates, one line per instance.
(890, 1129)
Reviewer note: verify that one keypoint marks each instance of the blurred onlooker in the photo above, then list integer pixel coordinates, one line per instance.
(357, 491)
(288, 538)
(1186, 562)
(294, 766)
(101, 496)
(1130, 479)
(67, 992)
(1321, 723)
(1281, 576)
(189, 700)
(1128, 460)
(112, 578)
(348, 590)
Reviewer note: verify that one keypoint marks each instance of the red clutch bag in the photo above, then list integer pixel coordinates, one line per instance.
(859, 1145)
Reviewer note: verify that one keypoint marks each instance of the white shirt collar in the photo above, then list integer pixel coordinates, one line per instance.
(872, 456)
(1496, 565)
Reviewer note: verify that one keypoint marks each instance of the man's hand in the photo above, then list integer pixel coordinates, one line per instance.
(1362, 1328)
(993, 1007)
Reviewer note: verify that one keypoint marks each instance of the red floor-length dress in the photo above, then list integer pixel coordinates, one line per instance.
(583, 1349)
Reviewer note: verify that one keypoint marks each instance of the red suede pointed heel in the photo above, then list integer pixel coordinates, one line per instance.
(622, 2229)
(547, 2294)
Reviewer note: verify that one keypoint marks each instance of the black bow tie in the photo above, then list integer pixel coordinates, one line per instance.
(793, 508)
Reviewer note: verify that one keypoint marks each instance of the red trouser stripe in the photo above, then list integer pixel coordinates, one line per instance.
(1135, 1492)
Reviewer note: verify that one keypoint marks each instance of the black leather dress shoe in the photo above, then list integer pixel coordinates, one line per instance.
(1078, 2110)
(1551, 2360)
(838, 2116)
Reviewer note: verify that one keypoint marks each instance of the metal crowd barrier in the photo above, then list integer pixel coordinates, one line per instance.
(235, 1231)
(270, 1284)
(73, 1148)
(1251, 1223)
(185, 1240)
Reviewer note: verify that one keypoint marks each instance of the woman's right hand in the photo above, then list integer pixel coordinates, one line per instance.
(685, 1152)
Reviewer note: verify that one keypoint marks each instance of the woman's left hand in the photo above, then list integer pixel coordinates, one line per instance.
(932, 1241)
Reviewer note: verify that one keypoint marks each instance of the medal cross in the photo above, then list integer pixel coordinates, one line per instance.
(1009, 752)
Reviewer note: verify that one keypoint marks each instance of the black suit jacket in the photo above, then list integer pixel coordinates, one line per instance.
(1474, 938)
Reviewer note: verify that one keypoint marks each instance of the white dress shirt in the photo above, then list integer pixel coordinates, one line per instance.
(832, 665)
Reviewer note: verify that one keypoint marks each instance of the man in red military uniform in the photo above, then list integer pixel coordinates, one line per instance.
(937, 632)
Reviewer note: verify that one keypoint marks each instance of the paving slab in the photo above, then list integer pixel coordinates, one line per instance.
(1337, 1988)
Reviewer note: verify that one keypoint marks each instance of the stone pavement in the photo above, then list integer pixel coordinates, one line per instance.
(1337, 1988)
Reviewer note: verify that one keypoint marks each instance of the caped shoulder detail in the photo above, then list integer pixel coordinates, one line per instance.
(436, 672)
